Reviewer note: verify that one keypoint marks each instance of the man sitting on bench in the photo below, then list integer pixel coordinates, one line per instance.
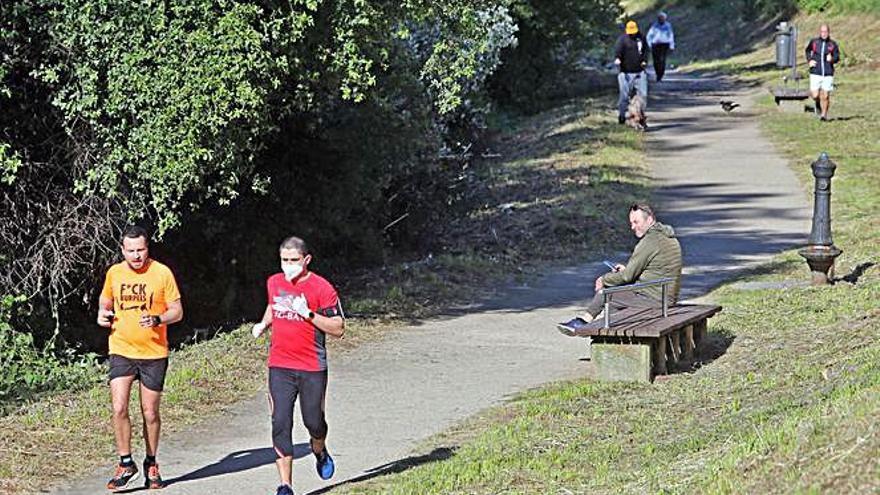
(657, 255)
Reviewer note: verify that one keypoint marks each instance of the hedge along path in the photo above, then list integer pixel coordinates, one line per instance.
(387, 397)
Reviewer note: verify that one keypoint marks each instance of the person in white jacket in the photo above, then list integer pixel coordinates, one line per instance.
(661, 39)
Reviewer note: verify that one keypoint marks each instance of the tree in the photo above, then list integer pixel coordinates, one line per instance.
(149, 111)
(553, 37)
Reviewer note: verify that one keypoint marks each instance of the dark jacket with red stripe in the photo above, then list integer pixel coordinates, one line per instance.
(818, 50)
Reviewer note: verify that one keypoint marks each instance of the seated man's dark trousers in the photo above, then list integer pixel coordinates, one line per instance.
(622, 300)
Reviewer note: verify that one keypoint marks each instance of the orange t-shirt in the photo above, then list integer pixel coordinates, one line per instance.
(135, 293)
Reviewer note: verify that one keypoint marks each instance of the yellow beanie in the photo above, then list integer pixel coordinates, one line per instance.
(632, 27)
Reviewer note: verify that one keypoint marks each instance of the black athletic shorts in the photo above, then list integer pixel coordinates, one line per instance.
(150, 372)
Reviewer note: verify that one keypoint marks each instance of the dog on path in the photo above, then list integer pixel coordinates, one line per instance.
(635, 112)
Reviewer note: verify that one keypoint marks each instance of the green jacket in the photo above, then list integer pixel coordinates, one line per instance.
(657, 255)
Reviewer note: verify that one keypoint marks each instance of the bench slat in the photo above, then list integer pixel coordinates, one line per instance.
(649, 322)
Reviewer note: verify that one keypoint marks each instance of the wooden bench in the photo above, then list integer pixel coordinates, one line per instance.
(781, 94)
(638, 342)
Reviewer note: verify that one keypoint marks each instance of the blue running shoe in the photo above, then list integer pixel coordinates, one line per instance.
(324, 465)
(284, 490)
(571, 326)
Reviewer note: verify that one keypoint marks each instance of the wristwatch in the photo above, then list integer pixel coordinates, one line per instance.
(311, 315)
(157, 320)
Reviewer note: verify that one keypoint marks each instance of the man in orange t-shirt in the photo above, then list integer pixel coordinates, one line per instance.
(140, 298)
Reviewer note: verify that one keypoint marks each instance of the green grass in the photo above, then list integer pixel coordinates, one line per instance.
(789, 407)
(561, 173)
(842, 6)
(858, 52)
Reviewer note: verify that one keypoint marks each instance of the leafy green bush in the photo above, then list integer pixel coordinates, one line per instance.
(168, 99)
(171, 112)
(553, 36)
(172, 102)
(9, 164)
(28, 370)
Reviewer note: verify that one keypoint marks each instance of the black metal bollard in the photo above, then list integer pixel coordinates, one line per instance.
(821, 252)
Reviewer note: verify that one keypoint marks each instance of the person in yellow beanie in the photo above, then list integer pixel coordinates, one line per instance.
(631, 57)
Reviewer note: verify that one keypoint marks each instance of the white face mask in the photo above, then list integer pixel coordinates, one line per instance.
(291, 271)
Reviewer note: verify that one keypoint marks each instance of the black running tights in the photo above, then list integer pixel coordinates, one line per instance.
(284, 387)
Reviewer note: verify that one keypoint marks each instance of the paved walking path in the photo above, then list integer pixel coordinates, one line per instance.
(732, 200)
(729, 196)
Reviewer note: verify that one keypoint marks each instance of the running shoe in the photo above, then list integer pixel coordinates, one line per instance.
(153, 481)
(324, 465)
(284, 490)
(571, 326)
(123, 477)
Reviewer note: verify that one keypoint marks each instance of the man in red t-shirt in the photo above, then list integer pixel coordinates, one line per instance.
(303, 308)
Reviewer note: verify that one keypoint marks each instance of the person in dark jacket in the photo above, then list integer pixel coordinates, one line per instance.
(631, 56)
(822, 54)
(657, 255)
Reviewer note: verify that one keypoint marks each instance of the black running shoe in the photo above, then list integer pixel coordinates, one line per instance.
(123, 477)
(154, 480)
(284, 490)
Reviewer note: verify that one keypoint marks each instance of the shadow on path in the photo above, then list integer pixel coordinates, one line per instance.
(239, 461)
(438, 454)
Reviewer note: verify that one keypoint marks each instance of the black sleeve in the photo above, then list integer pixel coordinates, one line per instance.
(618, 49)
(835, 54)
(331, 311)
(808, 53)
(644, 55)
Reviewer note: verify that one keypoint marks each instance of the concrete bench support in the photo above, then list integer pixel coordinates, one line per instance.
(622, 362)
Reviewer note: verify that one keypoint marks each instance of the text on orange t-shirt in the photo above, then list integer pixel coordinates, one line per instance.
(135, 293)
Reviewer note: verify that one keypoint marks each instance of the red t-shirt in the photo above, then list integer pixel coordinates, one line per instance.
(297, 343)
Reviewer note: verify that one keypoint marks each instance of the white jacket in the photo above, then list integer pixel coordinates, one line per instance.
(661, 33)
